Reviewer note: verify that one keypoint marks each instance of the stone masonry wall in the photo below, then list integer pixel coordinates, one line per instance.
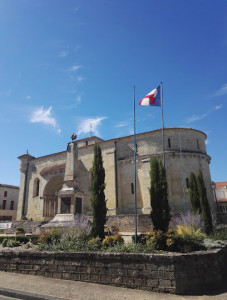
(170, 273)
(126, 223)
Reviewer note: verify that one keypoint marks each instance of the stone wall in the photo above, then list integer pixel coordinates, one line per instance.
(126, 223)
(171, 273)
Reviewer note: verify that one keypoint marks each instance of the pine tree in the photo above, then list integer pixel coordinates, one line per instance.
(205, 207)
(194, 194)
(160, 213)
(98, 201)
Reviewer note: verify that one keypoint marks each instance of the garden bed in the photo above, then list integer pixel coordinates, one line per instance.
(177, 273)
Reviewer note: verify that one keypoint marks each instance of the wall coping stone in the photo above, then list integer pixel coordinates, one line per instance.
(179, 273)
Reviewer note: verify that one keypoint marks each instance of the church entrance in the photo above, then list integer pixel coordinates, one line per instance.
(50, 205)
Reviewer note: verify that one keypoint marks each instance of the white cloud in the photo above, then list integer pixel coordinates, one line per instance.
(90, 124)
(131, 131)
(78, 99)
(217, 107)
(222, 91)
(40, 115)
(63, 54)
(80, 78)
(122, 124)
(75, 68)
(195, 118)
(28, 97)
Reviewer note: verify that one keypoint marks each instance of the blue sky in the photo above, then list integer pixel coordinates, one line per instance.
(67, 64)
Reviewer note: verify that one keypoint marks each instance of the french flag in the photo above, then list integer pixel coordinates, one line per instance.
(153, 98)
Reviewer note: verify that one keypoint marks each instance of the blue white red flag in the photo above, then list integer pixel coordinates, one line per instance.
(153, 98)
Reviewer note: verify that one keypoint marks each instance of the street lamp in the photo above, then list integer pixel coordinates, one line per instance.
(213, 185)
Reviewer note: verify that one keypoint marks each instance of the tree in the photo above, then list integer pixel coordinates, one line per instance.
(98, 201)
(160, 213)
(205, 207)
(194, 194)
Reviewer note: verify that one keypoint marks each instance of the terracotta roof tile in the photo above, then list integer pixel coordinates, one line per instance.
(221, 184)
(222, 200)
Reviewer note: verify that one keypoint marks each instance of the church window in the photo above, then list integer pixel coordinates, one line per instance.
(4, 204)
(132, 188)
(90, 179)
(197, 143)
(12, 205)
(187, 183)
(5, 194)
(169, 144)
(36, 187)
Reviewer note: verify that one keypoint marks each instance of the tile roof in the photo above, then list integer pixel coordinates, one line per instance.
(222, 200)
(9, 186)
(221, 184)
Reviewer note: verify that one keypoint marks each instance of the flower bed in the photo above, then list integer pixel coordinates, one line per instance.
(191, 273)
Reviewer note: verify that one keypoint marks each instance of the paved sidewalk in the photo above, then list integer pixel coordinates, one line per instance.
(31, 287)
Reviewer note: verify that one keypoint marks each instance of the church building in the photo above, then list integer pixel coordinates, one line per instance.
(60, 183)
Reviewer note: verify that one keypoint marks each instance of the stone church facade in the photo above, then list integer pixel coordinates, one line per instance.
(60, 183)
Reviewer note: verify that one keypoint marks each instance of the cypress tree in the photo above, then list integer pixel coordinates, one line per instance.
(160, 213)
(98, 201)
(194, 194)
(205, 207)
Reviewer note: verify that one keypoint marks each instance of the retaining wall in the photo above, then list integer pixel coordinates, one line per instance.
(170, 273)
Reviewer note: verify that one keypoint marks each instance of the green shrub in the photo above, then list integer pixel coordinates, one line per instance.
(49, 237)
(10, 243)
(95, 244)
(20, 230)
(219, 234)
(156, 240)
(190, 231)
(111, 240)
(63, 240)
(141, 238)
(21, 239)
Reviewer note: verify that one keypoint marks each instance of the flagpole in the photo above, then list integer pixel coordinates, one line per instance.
(163, 146)
(134, 108)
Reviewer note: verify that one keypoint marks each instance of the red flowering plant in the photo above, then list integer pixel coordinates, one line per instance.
(44, 237)
(49, 237)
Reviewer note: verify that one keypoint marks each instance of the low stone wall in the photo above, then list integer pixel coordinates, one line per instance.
(170, 273)
(126, 223)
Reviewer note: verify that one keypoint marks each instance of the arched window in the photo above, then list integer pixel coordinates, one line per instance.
(187, 183)
(197, 143)
(90, 179)
(36, 187)
(132, 188)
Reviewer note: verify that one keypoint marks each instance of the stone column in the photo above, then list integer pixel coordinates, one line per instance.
(71, 174)
(71, 169)
(22, 198)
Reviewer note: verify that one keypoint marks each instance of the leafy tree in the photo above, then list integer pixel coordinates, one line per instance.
(205, 207)
(160, 213)
(98, 201)
(194, 194)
